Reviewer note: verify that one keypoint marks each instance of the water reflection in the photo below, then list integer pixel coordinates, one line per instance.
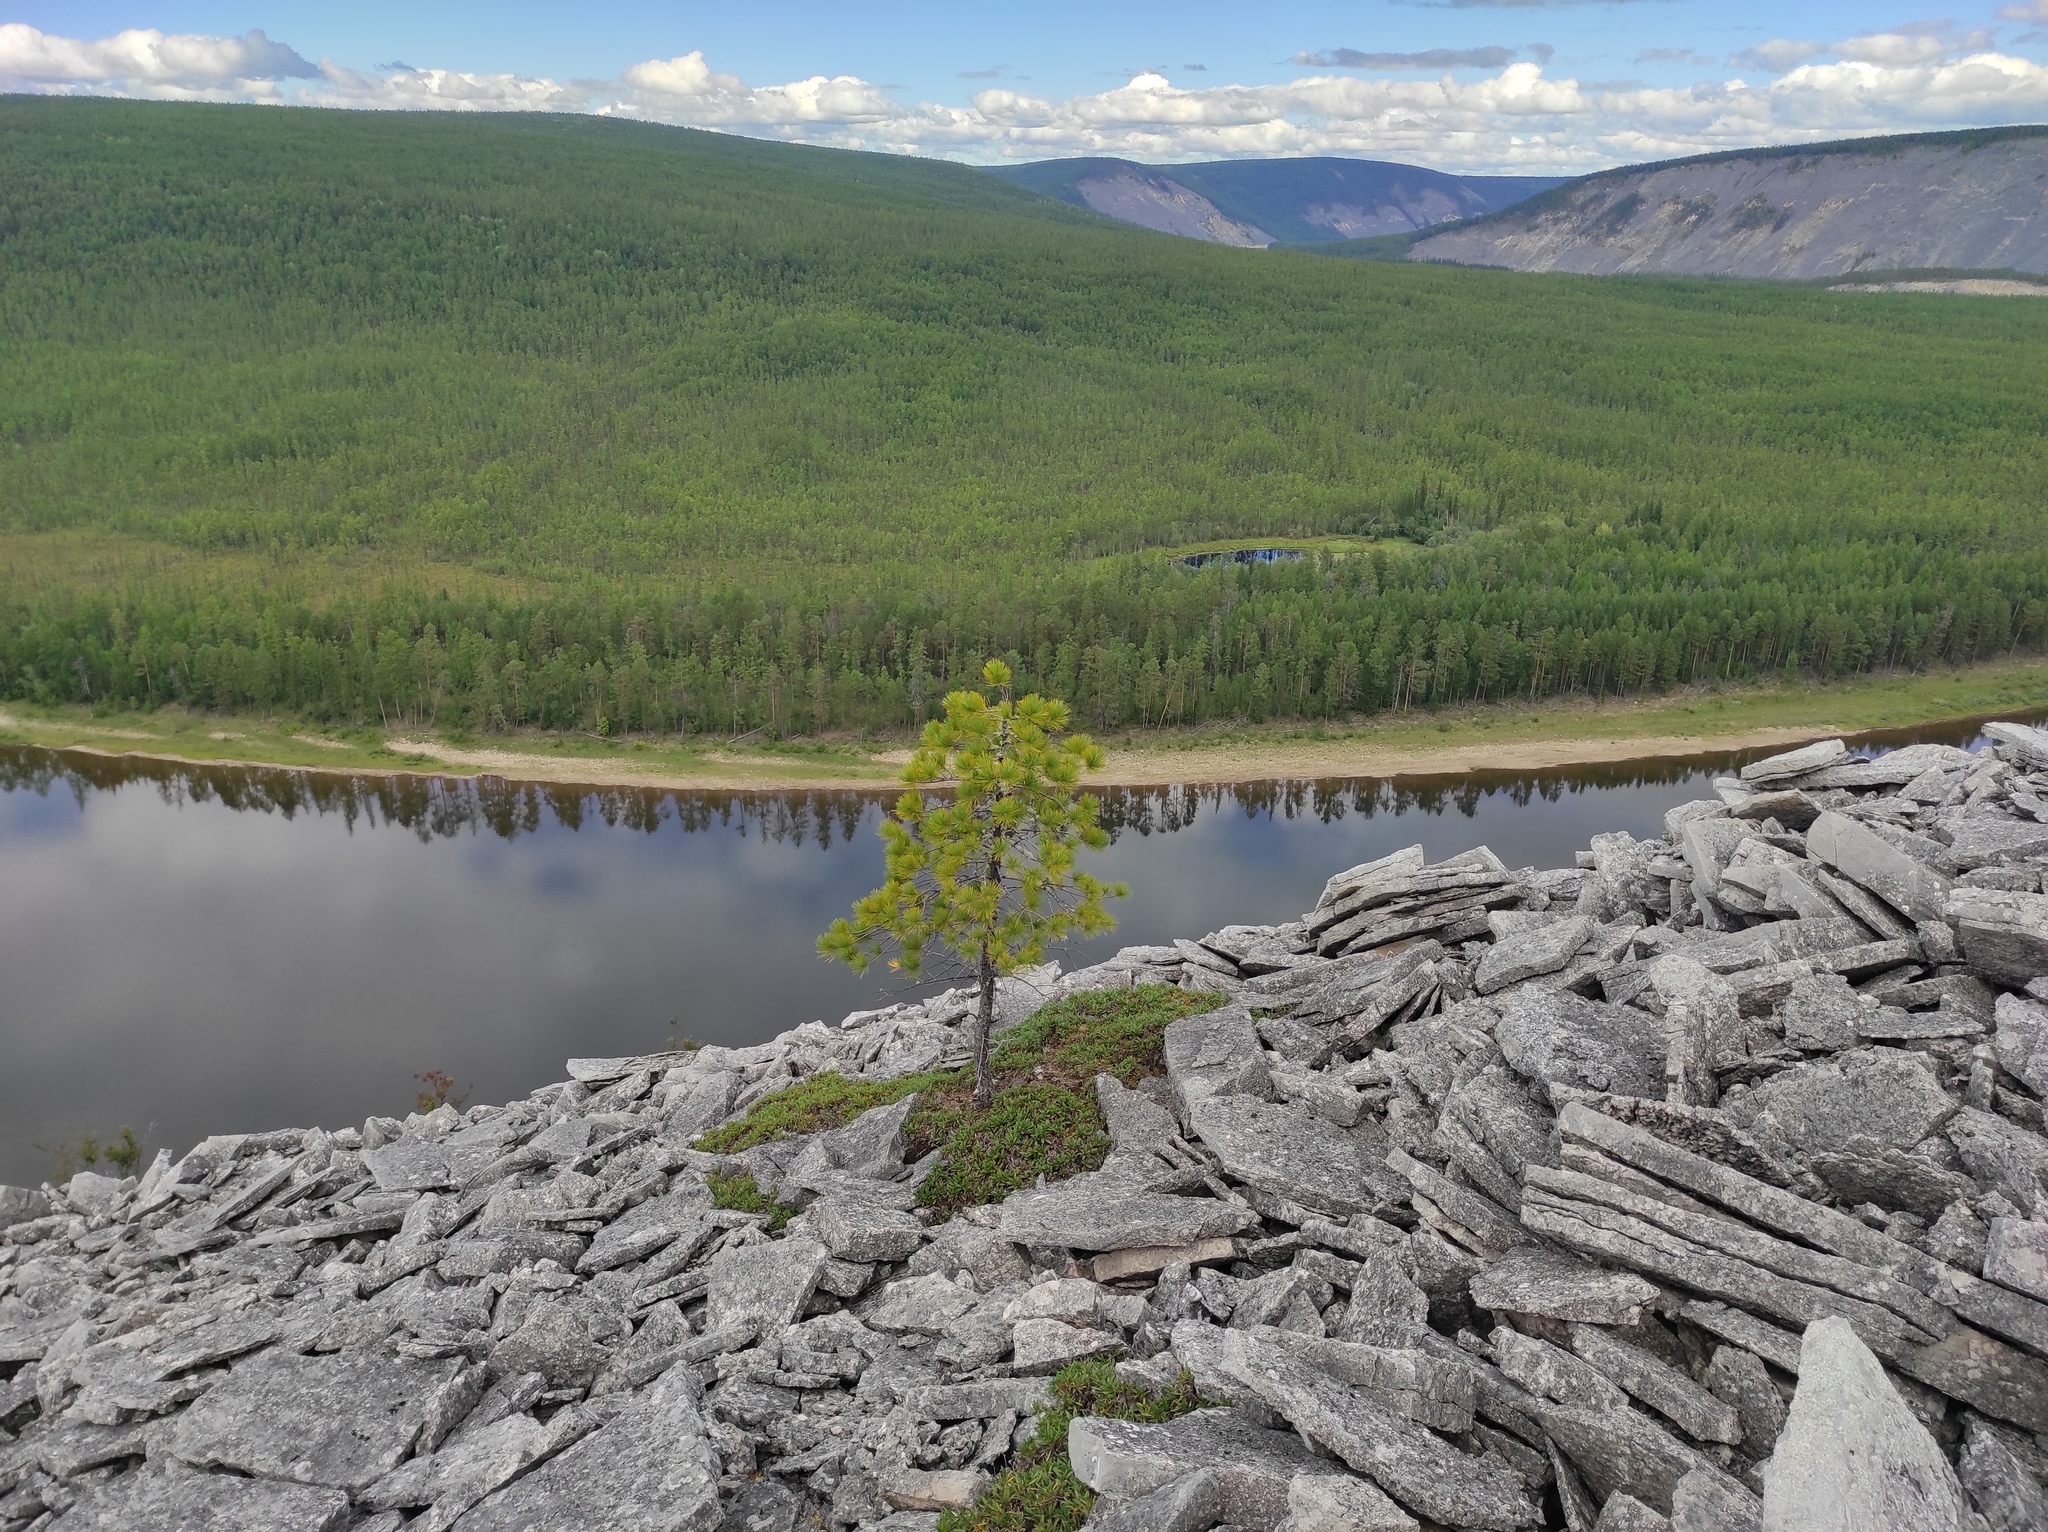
(191, 949)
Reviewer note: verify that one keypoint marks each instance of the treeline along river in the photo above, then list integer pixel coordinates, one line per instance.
(199, 949)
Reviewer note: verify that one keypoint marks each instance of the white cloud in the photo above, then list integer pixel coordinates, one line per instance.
(145, 60)
(1518, 118)
(2032, 10)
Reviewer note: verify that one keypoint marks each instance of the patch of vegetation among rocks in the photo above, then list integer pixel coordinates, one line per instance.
(1039, 1493)
(827, 1099)
(742, 1194)
(1119, 1032)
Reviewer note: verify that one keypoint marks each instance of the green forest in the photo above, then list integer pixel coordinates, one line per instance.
(751, 438)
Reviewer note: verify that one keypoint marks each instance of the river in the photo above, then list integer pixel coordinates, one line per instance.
(187, 950)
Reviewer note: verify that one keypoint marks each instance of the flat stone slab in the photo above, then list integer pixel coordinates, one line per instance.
(1883, 1094)
(1851, 1453)
(1044, 1346)
(2003, 933)
(1215, 1054)
(1123, 1459)
(983, 1400)
(1532, 1280)
(917, 1305)
(1530, 953)
(763, 1285)
(650, 1470)
(1293, 1154)
(203, 1502)
(1099, 1211)
(1555, 1036)
(344, 1420)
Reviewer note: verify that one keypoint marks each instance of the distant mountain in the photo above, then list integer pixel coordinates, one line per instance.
(1975, 200)
(1271, 202)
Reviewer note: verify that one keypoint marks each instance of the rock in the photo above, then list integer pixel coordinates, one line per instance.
(1044, 1346)
(1385, 1302)
(1865, 1171)
(1552, 1285)
(1414, 1466)
(2004, 934)
(1702, 1028)
(1101, 1211)
(1659, 1385)
(553, 1342)
(914, 1489)
(1117, 1265)
(1411, 1383)
(1916, 891)
(921, 1305)
(2016, 1255)
(161, 1498)
(650, 1470)
(344, 1420)
(1852, 1455)
(1794, 764)
(2020, 742)
(1883, 1094)
(1536, 950)
(19, 1204)
(1738, 1377)
(980, 1251)
(1215, 1054)
(1562, 1039)
(2005, 1491)
(1191, 1503)
(2022, 1041)
(1123, 1459)
(1549, 1372)
(1292, 1154)
(1706, 1501)
(467, 1470)
(640, 1232)
(860, 1231)
(980, 1400)
(1625, 1513)
(1326, 1502)
(2003, 1157)
(1621, 1451)
(763, 1285)
(763, 1506)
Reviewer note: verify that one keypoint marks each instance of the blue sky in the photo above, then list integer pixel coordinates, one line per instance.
(1464, 84)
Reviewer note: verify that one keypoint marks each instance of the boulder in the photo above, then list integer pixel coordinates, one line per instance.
(1563, 1039)
(1859, 854)
(1852, 1456)
(765, 1285)
(1215, 1054)
(2016, 1255)
(1537, 949)
(1293, 1154)
(1883, 1094)
(1123, 1459)
(2003, 933)
(1103, 1211)
(861, 1231)
(156, 1497)
(1328, 1502)
(2022, 1041)
(1533, 1279)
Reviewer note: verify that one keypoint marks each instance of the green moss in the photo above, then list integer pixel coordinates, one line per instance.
(1039, 1492)
(825, 1100)
(1119, 1032)
(1029, 1131)
(742, 1194)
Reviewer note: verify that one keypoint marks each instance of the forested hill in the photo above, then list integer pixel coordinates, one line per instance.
(493, 420)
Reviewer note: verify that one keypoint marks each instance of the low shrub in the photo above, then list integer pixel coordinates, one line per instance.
(742, 1194)
(1038, 1492)
(1119, 1032)
(1029, 1130)
(825, 1100)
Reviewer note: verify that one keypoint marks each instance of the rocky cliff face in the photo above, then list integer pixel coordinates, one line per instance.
(1699, 1185)
(1951, 200)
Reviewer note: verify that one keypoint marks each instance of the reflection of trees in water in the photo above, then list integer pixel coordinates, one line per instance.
(436, 808)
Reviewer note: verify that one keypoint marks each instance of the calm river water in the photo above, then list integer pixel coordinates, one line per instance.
(188, 950)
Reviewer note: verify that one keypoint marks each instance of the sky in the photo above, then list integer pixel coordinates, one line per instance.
(1526, 86)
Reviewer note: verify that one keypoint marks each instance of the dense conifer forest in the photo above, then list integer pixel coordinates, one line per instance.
(744, 437)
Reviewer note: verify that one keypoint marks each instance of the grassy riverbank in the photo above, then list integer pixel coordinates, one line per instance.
(1456, 740)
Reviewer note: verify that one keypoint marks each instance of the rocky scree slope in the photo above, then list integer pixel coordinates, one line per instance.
(1267, 202)
(1702, 1185)
(1975, 200)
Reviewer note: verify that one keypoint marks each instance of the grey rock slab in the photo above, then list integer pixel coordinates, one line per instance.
(482, 1461)
(154, 1498)
(1191, 1503)
(1659, 1385)
(1986, 841)
(1411, 1383)
(2003, 933)
(1550, 1372)
(1410, 1463)
(1043, 1346)
(1702, 1027)
(1865, 1171)
(1620, 1451)
(650, 1470)
(1706, 1501)
(2016, 1255)
(1565, 1040)
(917, 1489)
(1531, 953)
(552, 1341)
(1859, 854)
(1293, 1154)
(2022, 1041)
(982, 1400)
(1327, 1502)
(1624, 1513)
(762, 1506)
(764, 1285)
(1134, 1119)
(1215, 1054)
(1707, 845)
(1123, 1459)
(640, 1231)
(2005, 1491)
(1851, 1454)
(1385, 1301)
(2003, 1157)
(1884, 1094)
(344, 1420)
(1553, 1285)
(977, 1249)
(861, 1231)
(1738, 1377)
(2020, 742)
(1795, 763)
(1102, 1211)
(923, 1305)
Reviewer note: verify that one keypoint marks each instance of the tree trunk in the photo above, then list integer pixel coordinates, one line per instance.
(984, 1024)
